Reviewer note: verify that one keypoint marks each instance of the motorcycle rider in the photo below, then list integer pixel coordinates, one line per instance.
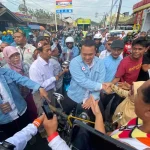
(88, 36)
(70, 51)
(99, 46)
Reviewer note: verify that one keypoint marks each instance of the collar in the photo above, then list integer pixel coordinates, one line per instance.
(56, 58)
(92, 64)
(26, 46)
(43, 62)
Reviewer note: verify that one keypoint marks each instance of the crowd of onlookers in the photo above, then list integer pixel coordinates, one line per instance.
(110, 68)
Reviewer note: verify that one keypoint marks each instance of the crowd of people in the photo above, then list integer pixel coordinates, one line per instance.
(107, 74)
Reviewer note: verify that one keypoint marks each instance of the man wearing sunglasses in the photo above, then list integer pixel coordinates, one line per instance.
(107, 52)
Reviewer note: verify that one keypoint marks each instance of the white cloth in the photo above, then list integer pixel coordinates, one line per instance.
(6, 98)
(0, 42)
(26, 53)
(104, 54)
(57, 69)
(43, 73)
(21, 138)
(58, 144)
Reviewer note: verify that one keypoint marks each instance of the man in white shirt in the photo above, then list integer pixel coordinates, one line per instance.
(57, 68)
(42, 72)
(26, 50)
(107, 52)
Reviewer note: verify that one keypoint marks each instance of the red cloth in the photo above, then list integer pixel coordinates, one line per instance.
(127, 49)
(128, 69)
(31, 108)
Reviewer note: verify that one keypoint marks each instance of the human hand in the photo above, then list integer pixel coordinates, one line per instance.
(87, 103)
(44, 94)
(124, 85)
(95, 107)
(105, 86)
(57, 78)
(5, 108)
(109, 90)
(50, 125)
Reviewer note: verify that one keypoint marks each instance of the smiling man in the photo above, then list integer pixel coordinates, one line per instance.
(88, 74)
(130, 66)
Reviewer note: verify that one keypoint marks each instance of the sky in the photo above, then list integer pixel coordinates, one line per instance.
(81, 8)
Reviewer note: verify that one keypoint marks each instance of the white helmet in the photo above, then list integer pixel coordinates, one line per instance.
(97, 36)
(69, 40)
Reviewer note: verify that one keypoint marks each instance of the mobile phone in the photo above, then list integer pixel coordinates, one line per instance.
(47, 110)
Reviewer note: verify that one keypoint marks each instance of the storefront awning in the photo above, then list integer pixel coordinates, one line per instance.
(34, 27)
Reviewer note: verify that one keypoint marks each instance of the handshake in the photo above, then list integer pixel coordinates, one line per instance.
(107, 87)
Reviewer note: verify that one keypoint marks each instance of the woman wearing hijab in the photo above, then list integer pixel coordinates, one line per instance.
(13, 60)
(126, 107)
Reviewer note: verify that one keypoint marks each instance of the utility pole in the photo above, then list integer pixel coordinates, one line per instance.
(25, 7)
(111, 14)
(118, 15)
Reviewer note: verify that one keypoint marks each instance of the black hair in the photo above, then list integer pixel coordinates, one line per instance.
(140, 41)
(146, 94)
(40, 49)
(88, 43)
(21, 32)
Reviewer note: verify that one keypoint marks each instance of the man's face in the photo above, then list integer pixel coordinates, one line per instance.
(115, 52)
(143, 34)
(54, 35)
(69, 45)
(97, 41)
(142, 109)
(55, 52)
(138, 51)
(3, 45)
(56, 42)
(46, 53)
(19, 38)
(88, 54)
(108, 46)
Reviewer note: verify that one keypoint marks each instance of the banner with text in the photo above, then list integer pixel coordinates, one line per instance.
(64, 6)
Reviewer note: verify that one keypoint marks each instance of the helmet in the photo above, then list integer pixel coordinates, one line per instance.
(129, 33)
(8, 31)
(4, 32)
(30, 33)
(97, 36)
(46, 35)
(88, 35)
(69, 39)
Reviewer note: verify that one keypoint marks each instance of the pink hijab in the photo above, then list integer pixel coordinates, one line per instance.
(7, 52)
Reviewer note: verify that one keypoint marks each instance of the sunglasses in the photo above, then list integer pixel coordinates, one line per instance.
(69, 43)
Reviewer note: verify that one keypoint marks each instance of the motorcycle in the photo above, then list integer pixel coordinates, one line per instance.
(66, 123)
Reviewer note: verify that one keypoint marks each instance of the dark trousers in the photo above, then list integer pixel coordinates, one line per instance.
(9, 129)
(68, 105)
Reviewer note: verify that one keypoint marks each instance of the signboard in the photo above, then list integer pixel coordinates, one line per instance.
(83, 21)
(64, 6)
